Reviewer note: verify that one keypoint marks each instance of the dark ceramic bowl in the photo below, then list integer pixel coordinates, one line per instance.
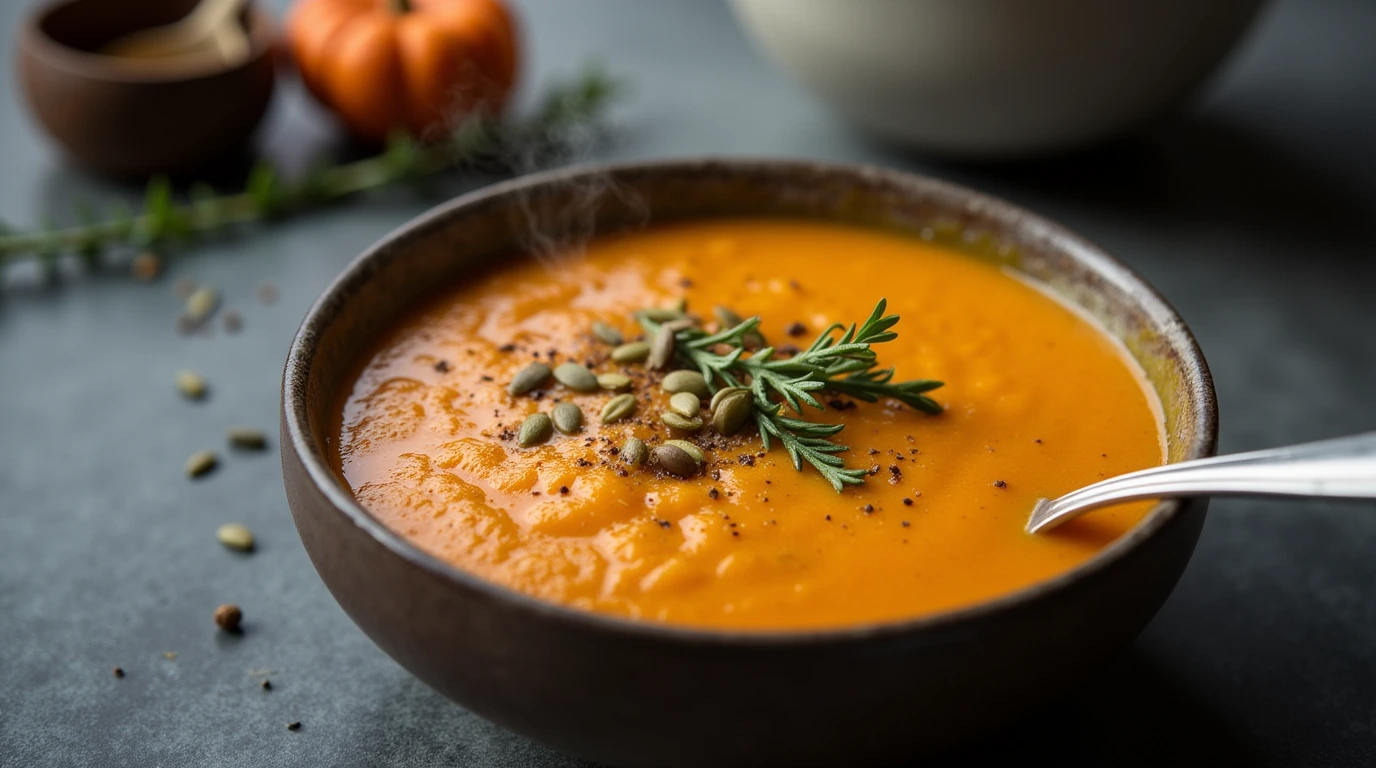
(133, 117)
(637, 693)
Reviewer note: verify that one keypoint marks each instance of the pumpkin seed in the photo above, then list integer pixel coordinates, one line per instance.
(529, 378)
(606, 333)
(675, 461)
(614, 382)
(200, 463)
(536, 429)
(661, 349)
(201, 304)
(634, 451)
(722, 393)
(731, 414)
(247, 438)
(690, 449)
(235, 536)
(678, 422)
(686, 381)
(729, 319)
(685, 404)
(191, 384)
(618, 408)
(660, 314)
(575, 377)
(567, 417)
(632, 352)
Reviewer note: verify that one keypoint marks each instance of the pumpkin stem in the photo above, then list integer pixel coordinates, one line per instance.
(400, 7)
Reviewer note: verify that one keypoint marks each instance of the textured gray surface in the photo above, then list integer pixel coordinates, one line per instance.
(1254, 212)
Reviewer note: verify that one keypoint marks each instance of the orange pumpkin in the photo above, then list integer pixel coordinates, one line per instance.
(419, 65)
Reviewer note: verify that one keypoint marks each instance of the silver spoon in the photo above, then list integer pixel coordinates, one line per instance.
(1342, 468)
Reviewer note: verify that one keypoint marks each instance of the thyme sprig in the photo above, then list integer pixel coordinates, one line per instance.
(567, 112)
(844, 364)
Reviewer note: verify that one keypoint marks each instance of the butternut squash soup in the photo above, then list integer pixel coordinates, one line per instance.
(493, 428)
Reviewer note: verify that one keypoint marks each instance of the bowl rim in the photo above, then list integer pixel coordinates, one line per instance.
(327, 481)
(36, 42)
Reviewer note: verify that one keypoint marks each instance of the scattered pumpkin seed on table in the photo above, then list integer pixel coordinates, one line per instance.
(680, 423)
(685, 381)
(685, 404)
(618, 408)
(634, 451)
(576, 377)
(235, 536)
(607, 334)
(631, 352)
(567, 417)
(692, 450)
(536, 429)
(675, 461)
(200, 462)
(614, 381)
(528, 378)
(191, 385)
(247, 438)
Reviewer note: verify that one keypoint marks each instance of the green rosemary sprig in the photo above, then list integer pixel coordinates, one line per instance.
(845, 364)
(568, 111)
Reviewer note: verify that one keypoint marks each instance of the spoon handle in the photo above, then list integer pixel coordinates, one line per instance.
(1343, 467)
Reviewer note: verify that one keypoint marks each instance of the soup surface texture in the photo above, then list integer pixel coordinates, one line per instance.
(1037, 402)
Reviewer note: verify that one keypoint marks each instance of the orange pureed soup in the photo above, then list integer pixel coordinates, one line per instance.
(1037, 401)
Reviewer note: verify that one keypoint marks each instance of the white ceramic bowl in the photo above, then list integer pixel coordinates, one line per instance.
(998, 77)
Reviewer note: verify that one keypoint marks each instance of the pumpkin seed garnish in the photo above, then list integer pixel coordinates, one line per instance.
(235, 536)
(685, 404)
(661, 349)
(247, 438)
(631, 352)
(201, 304)
(618, 408)
(685, 381)
(722, 393)
(607, 334)
(732, 413)
(536, 429)
(675, 460)
(729, 319)
(576, 377)
(614, 382)
(528, 378)
(191, 385)
(634, 452)
(567, 417)
(678, 422)
(200, 463)
(692, 450)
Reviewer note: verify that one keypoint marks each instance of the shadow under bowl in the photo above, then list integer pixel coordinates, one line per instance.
(136, 117)
(637, 693)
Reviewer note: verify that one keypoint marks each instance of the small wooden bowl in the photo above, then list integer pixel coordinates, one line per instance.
(125, 116)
